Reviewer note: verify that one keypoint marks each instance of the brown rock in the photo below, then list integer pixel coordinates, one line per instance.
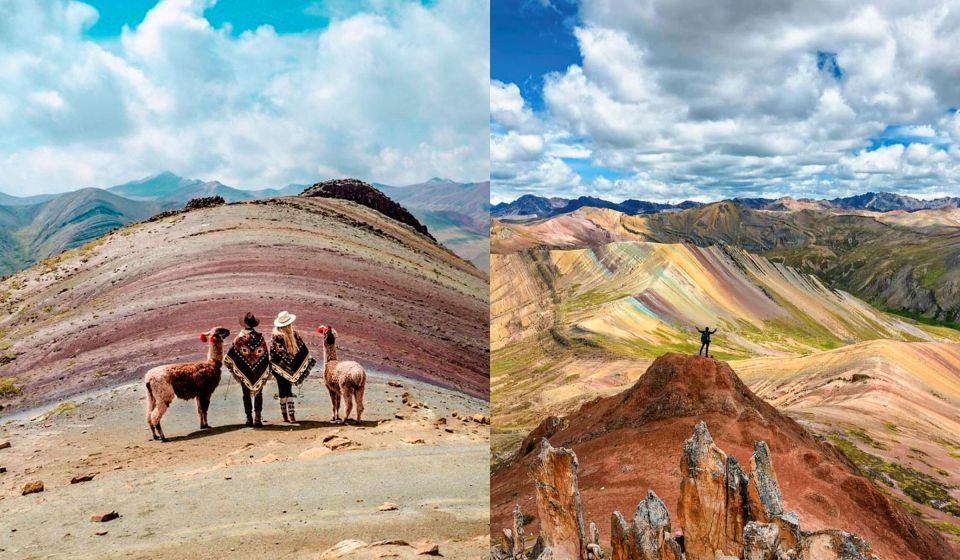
(480, 419)
(394, 383)
(651, 531)
(104, 517)
(342, 549)
(101, 533)
(389, 542)
(4, 444)
(334, 442)
(32, 487)
(387, 506)
(703, 506)
(518, 545)
(766, 501)
(413, 440)
(623, 545)
(558, 502)
(761, 541)
(735, 519)
(82, 478)
(427, 548)
(834, 545)
(790, 534)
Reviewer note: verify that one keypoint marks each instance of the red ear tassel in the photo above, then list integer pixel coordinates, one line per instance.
(321, 329)
(203, 337)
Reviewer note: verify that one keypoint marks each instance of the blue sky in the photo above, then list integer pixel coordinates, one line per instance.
(676, 99)
(252, 93)
(285, 16)
(528, 40)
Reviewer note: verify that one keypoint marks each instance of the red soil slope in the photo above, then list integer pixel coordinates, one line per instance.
(631, 442)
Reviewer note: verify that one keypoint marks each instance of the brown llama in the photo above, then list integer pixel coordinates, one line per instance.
(344, 380)
(193, 380)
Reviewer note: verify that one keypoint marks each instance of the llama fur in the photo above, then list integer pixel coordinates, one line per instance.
(193, 380)
(345, 380)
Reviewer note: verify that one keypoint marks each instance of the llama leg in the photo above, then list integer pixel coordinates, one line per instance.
(333, 404)
(203, 421)
(151, 403)
(158, 411)
(205, 406)
(348, 402)
(358, 396)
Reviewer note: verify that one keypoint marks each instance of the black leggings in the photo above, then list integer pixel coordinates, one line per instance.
(705, 346)
(283, 386)
(257, 401)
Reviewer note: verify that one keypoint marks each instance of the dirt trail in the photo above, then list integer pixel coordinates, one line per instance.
(237, 492)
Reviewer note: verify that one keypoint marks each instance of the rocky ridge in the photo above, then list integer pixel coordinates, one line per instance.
(724, 514)
(366, 194)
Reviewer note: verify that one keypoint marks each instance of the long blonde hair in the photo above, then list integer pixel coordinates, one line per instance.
(289, 340)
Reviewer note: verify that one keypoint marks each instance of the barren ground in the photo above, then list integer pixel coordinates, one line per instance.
(239, 492)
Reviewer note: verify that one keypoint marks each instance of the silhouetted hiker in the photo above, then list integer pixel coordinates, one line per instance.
(705, 341)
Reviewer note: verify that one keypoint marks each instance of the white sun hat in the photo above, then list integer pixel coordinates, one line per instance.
(283, 319)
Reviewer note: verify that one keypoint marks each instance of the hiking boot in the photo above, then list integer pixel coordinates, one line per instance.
(258, 422)
(283, 409)
(249, 420)
(290, 412)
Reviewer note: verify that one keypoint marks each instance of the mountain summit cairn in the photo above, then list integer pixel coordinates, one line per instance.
(725, 514)
(367, 195)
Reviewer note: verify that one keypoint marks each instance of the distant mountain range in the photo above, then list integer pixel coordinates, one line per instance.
(530, 207)
(36, 227)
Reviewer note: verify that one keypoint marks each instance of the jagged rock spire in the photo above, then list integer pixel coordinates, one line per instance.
(725, 514)
(558, 501)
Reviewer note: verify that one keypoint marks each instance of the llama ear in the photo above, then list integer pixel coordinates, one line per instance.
(203, 337)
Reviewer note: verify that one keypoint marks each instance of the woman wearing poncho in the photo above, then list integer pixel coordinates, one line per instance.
(290, 361)
(249, 362)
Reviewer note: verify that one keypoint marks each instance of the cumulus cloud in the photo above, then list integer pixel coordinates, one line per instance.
(685, 99)
(394, 95)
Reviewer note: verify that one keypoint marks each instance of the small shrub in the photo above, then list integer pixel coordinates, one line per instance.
(9, 387)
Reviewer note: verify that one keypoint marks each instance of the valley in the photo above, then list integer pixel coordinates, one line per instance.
(583, 303)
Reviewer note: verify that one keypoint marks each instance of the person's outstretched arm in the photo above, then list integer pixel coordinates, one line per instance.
(698, 330)
(715, 331)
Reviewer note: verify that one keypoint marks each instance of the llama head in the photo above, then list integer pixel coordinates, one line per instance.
(216, 334)
(328, 334)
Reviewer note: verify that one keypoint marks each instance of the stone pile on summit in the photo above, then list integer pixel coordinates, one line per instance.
(366, 194)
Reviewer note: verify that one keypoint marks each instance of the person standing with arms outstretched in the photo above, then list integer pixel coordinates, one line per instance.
(705, 341)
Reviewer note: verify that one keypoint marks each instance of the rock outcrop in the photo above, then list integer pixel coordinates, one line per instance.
(366, 194)
(724, 514)
(558, 501)
(633, 440)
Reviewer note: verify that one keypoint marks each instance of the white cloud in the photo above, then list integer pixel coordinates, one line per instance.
(396, 95)
(709, 100)
(508, 108)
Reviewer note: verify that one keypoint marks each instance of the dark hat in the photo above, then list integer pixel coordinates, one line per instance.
(250, 320)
